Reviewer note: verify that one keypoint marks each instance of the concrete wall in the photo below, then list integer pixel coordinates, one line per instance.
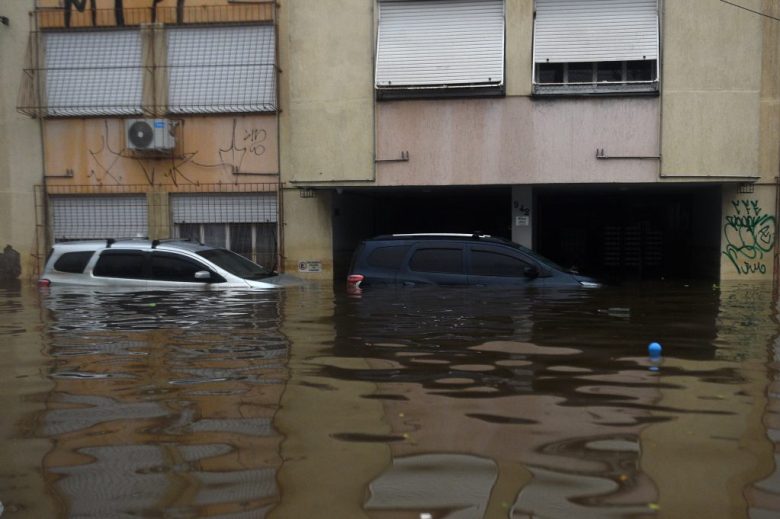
(20, 151)
(519, 46)
(516, 140)
(327, 127)
(711, 80)
(722, 117)
(326, 87)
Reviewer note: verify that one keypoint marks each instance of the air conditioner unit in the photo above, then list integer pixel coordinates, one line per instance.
(149, 134)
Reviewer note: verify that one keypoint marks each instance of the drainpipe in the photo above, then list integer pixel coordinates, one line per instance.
(47, 238)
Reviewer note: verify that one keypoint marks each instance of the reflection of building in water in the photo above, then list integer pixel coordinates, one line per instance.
(169, 419)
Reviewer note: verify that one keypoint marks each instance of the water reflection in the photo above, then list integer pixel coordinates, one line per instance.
(454, 403)
(163, 402)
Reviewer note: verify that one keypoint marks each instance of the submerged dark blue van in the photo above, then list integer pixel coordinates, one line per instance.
(454, 259)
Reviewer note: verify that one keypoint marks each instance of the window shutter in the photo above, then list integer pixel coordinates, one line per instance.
(440, 43)
(222, 69)
(93, 72)
(569, 31)
(98, 217)
(224, 208)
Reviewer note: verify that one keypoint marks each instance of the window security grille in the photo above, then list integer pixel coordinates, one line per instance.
(221, 69)
(98, 217)
(120, 72)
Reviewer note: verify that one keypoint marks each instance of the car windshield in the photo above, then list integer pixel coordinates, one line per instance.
(235, 264)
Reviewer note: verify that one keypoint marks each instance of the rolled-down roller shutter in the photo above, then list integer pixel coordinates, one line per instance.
(224, 208)
(222, 69)
(98, 217)
(568, 31)
(439, 43)
(93, 72)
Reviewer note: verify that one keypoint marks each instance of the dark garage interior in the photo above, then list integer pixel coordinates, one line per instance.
(616, 232)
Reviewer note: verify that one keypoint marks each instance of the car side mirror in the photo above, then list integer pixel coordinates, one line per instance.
(531, 272)
(203, 275)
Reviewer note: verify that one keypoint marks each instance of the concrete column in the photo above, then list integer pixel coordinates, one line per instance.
(522, 215)
(159, 215)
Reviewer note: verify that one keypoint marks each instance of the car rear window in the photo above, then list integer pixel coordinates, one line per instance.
(73, 262)
(387, 257)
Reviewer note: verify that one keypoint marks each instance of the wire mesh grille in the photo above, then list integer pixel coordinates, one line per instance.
(131, 70)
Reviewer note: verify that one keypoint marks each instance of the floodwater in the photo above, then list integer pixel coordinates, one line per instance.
(412, 403)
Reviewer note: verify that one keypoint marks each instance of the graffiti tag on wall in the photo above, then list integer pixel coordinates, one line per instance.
(749, 237)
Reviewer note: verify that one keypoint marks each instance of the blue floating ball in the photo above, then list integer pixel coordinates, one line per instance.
(654, 349)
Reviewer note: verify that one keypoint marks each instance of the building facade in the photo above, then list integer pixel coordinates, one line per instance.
(633, 140)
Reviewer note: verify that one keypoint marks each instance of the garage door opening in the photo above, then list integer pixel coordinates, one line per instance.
(637, 232)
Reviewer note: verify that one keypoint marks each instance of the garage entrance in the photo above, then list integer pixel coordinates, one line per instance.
(631, 232)
(617, 233)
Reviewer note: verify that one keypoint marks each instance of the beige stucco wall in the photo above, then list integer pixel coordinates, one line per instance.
(711, 79)
(326, 89)
(517, 140)
(308, 235)
(208, 150)
(519, 46)
(20, 151)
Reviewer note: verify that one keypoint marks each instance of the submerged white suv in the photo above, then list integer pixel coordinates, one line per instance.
(151, 264)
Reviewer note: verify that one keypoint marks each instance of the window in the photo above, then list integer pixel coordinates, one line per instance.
(387, 257)
(439, 45)
(171, 267)
(438, 260)
(73, 262)
(596, 47)
(120, 264)
(93, 72)
(241, 222)
(490, 263)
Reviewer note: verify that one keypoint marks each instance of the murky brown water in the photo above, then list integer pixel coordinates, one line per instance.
(454, 403)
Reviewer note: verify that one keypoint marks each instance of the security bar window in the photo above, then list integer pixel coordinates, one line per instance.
(596, 47)
(221, 69)
(91, 73)
(438, 45)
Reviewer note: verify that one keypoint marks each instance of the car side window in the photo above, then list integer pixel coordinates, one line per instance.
(172, 267)
(73, 262)
(387, 257)
(493, 263)
(437, 260)
(126, 264)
